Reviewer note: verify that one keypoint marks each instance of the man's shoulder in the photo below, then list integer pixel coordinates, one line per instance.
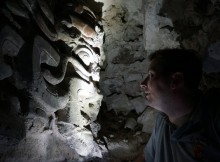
(211, 102)
(212, 120)
(213, 95)
(161, 117)
(161, 120)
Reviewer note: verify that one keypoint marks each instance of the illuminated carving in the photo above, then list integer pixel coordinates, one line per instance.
(57, 49)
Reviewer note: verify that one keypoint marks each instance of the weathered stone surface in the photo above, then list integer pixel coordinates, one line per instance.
(67, 60)
(11, 43)
(5, 71)
(119, 103)
(85, 102)
(147, 118)
(51, 53)
(126, 149)
(79, 139)
(111, 85)
(132, 88)
(43, 147)
(158, 32)
(130, 123)
(212, 61)
(139, 104)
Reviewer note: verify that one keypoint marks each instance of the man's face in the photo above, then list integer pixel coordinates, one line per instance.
(156, 87)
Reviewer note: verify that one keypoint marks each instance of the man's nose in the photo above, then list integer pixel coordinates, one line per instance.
(143, 85)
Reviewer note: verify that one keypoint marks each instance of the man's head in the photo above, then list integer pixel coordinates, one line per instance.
(171, 72)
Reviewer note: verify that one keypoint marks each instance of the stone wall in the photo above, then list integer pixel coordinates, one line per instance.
(166, 24)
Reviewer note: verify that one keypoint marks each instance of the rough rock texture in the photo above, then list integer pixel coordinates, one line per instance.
(50, 57)
(197, 27)
(166, 24)
(124, 69)
(125, 65)
(66, 96)
(158, 29)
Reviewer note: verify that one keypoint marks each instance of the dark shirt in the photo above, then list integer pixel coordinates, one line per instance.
(196, 140)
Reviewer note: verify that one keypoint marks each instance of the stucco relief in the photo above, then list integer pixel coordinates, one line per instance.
(51, 53)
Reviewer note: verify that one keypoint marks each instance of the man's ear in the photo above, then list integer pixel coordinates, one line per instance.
(177, 80)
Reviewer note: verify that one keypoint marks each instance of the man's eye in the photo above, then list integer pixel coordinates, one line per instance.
(150, 75)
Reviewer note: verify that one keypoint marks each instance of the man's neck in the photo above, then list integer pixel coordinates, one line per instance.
(178, 122)
(180, 111)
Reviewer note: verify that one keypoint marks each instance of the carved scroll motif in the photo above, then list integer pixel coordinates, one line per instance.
(51, 53)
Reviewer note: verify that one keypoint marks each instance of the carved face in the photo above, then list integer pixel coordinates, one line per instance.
(54, 66)
(85, 102)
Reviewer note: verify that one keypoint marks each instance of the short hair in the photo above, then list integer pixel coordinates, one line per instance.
(185, 61)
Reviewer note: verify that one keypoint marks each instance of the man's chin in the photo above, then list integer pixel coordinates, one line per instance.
(148, 98)
(154, 106)
(149, 101)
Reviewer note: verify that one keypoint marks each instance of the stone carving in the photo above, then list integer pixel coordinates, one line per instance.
(85, 99)
(56, 63)
(51, 100)
(10, 43)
